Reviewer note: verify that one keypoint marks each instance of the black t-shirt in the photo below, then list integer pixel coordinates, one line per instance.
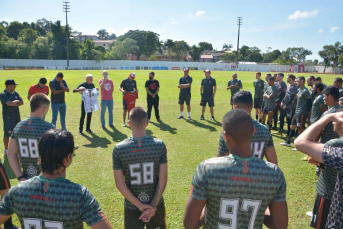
(152, 85)
(85, 85)
(127, 86)
(208, 85)
(185, 80)
(54, 85)
(10, 112)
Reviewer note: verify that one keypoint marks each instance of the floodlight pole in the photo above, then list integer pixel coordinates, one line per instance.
(239, 23)
(66, 7)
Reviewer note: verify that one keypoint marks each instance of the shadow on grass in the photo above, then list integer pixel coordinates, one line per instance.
(116, 135)
(164, 127)
(150, 133)
(216, 123)
(202, 125)
(96, 141)
(8, 168)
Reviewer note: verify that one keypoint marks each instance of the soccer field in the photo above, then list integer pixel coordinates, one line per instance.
(188, 142)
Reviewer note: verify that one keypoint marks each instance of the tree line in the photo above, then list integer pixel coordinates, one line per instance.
(48, 40)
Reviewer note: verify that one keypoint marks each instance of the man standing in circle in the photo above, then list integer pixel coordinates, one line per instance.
(234, 85)
(258, 97)
(38, 88)
(152, 88)
(25, 138)
(58, 87)
(11, 101)
(338, 83)
(88, 85)
(127, 85)
(185, 83)
(106, 86)
(207, 91)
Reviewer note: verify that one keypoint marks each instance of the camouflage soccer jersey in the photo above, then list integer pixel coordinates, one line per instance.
(59, 204)
(316, 112)
(27, 134)
(302, 97)
(259, 141)
(328, 133)
(259, 88)
(328, 176)
(266, 85)
(237, 190)
(270, 103)
(140, 159)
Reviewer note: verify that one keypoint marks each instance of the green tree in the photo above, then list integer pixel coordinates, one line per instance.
(44, 24)
(195, 53)
(334, 51)
(14, 29)
(229, 57)
(120, 49)
(340, 60)
(179, 48)
(75, 48)
(28, 35)
(286, 58)
(112, 37)
(103, 34)
(227, 47)
(169, 44)
(41, 48)
(153, 58)
(205, 46)
(325, 54)
(315, 62)
(255, 54)
(244, 50)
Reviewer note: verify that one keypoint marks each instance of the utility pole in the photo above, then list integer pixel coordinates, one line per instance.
(239, 23)
(66, 9)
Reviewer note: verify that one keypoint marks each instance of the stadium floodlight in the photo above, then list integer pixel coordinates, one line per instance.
(66, 9)
(239, 23)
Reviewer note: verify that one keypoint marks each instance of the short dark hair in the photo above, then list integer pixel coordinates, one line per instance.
(60, 75)
(138, 116)
(54, 146)
(281, 74)
(301, 78)
(269, 75)
(238, 124)
(243, 99)
(318, 79)
(152, 73)
(42, 80)
(38, 100)
(339, 80)
(319, 85)
(271, 78)
(333, 91)
(291, 76)
(312, 78)
(258, 73)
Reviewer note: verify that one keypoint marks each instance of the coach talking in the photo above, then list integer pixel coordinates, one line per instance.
(152, 87)
(207, 93)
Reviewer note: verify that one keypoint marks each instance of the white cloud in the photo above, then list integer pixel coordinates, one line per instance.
(298, 14)
(7, 19)
(173, 21)
(199, 13)
(333, 29)
(119, 32)
(320, 31)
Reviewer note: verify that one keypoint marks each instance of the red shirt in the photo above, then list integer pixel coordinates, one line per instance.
(130, 100)
(37, 89)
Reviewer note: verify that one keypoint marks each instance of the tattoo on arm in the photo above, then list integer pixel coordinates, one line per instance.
(158, 194)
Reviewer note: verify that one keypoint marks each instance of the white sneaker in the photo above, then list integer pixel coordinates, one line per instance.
(285, 144)
(294, 149)
(124, 124)
(5, 151)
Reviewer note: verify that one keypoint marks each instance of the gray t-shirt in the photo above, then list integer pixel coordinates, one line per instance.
(54, 85)
(291, 90)
(234, 90)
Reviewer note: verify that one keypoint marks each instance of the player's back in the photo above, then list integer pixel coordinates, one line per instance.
(140, 158)
(238, 190)
(59, 203)
(27, 134)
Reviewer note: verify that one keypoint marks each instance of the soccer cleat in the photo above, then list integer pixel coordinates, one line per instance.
(278, 122)
(124, 124)
(80, 133)
(294, 149)
(277, 133)
(189, 118)
(180, 117)
(285, 144)
(305, 158)
(89, 131)
(159, 120)
(112, 126)
(212, 119)
(5, 151)
(103, 127)
(202, 117)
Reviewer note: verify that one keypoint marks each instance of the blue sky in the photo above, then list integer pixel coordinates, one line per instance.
(277, 24)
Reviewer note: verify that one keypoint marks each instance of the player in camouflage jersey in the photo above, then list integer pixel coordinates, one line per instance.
(330, 154)
(318, 106)
(140, 172)
(234, 85)
(261, 142)
(50, 200)
(338, 83)
(270, 94)
(281, 88)
(258, 96)
(266, 85)
(237, 189)
(25, 138)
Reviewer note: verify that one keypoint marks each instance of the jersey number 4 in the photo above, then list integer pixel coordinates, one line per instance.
(33, 223)
(28, 147)
(229, 210)
(147, 173)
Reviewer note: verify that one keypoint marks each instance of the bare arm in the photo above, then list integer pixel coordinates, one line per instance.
(102, 85)
(183, 86)
(4, 218)
(79, 89)
(120, 89)
(56, 92)
(202, 86)
(14, 103)
(104, 224)
(215, 89)
(194, 216)
(147, 90)
(278, 215)
(158, 89)
(162, 183)
(29, 96)
(322, 108)
(13, 159)
(271, 155)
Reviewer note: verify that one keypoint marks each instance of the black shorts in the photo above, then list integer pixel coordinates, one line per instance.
(9, 126)
(266, 110)
(258, 103)
(131, 219)
(299, 120)
(290, 113)
(4, 181)
(185, 97)
(320, 212)
(207, 99)
(124, 105)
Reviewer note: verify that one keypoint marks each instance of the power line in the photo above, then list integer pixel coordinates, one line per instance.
(239, 23)
(66, 9)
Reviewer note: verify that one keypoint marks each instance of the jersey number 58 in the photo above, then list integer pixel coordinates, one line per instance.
(147, 173)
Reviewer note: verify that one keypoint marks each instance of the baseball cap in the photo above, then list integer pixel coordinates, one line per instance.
(10, 82)
(186, 70)
(133, 75)
(207, 70)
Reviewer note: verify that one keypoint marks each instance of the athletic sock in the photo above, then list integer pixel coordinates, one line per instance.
(256, 117)
(275, 123)
(189, 114)
(291, 135)
(181, 113)
(260, 120)
(267, 122)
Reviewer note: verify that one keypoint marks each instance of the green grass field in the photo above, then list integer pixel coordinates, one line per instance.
(188, 142)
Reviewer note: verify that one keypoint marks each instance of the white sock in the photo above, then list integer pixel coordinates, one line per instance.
(189, 114)
(181, 113)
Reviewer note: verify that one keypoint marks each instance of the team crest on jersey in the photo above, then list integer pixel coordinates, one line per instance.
(143, 197)
(32, 171)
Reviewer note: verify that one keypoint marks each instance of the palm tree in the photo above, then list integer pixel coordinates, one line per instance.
(334, 51)
(169, 44)
(227, 47)
(325, 55)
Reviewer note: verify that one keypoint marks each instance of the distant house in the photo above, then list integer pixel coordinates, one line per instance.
(216, 56)
(206, 58)
(81, 38)
(104, 43)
